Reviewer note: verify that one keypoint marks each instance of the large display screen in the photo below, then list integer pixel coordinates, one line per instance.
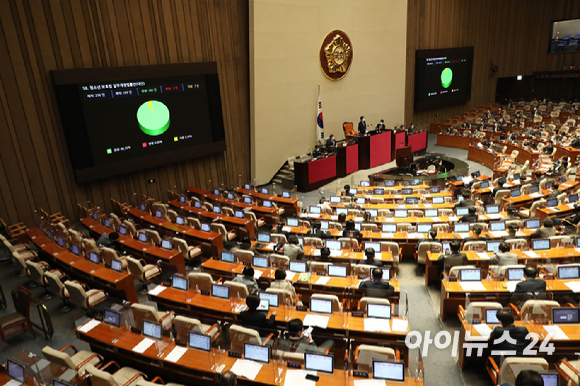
(123, 119)
(565, 36)
(442, 77)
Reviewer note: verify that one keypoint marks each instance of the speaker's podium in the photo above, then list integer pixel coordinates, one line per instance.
(404, 157)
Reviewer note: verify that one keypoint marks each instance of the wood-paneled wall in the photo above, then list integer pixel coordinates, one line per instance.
(513, 34)
(37, 36)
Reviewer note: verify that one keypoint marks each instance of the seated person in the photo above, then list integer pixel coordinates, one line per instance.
(467, 201)
(370, 258)
(517, 334)
(512, 214)
(512, 230)
(247, 278)
(315, 231)
(325, 255)
(347, 192)
(252, 318)
(376, 287)
(531, 284)
(316, 153)
(331, 142)
(432, 234)
(555, 192)
(504, 257)
(324, 205)
(537, 179)
(281, 283)
(529, 378)
(470, 216)
(228, 378)
(245, 244)
(107, 240)
(348, 228)
(546, 231)
(454, 258)
(293, 249)
(477, 231)
(500, 185)
(297, 341)
(342, 218)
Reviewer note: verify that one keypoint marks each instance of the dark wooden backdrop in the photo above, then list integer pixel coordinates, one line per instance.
(513, 34)
(37, 36)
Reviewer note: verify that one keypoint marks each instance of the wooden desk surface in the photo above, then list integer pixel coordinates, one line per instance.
(95, 275)
(561, 210)
(291, 202)
(413, 220)
(235, 203)
(449, 205)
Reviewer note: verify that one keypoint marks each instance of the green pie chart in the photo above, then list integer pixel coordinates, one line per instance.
(446, 77)
(153, 118)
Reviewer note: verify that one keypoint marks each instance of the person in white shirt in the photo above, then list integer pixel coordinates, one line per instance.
(281, 283)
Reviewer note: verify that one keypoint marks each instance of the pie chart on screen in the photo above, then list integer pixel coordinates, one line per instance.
(446, 77)
(153, 118)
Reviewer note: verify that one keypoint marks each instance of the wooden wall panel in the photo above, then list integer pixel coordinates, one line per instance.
(513, 34)
(37, 36)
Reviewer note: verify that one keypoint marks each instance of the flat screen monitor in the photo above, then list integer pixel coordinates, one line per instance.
(373, 245)
(462, 211)
(322, 306)
(424, 228)
(401, 213)
(435, 189)
(239, 214)
(231, 196)
(533, 223)
(389, 228)
(324, 225)
(205, 227)
(96, 215)
(94, 257)
(431, 212)
(179, 282)
(492, 209)
(497, 226)
(16, 370)
(333, 244)
(540, 245)
(461, 227)
(476, 174)
(382, 311)
(445, 245)
(514, 274)
(470, 274)
(228, 257)
(292, 222)
(552, 202)
(491, 316)
(516, 193)
(335, 200)
(565, 272)
(492, 246)
(353, 191)
(267, 204)
(180, 220)
(484, 184)
(142, 236)
(414, 182)
(372, 212)
(298, 266)
(573, 198)
(270, 297)
(197, 204)
(247, 186)
(220, 291)
(438, 200)
(112, 318)
(577, 241)
(389, 370)
(411, 200)
(285, 194)
(361, 201)
(123, 230)
(216, 192)
(60, 241)
(337, 270)
(75, 249)
(389, 183)
(365, 184)
(217, 209)
(550, 379)
(107, 223)
(516, 176)
(200, 342)
(158, 214)
(379, 191)
(152, 330)
(564, 36)
(565, 315)
(263, 237)
(247, 200)
(314, 210)
(167, 244)
(49, 234)
(459, 178)
(142, 207)
(257, 353)
(260, 262)
(407, 191)
(535, 189)
(357, 227)
(117, 265)
(316, 362)
(460, 198)
(182, 199)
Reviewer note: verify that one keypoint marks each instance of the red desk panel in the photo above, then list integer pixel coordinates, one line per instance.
(380, 149)
(351, 159)
(321, 169)
(400, 140)
(418, 141)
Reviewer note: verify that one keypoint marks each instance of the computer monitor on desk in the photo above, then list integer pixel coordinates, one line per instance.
(407, 191)
(461, 227)
(491, 316)
(533, 223)
(424, 228)
(541, 245)
(438, 200)
(411, 200)
(373, 245)
(333, 244)
(167, 244)
(381, 311)
(16, 370)
(389, 371)
(197, 204)
(335, 270)
(552, 203)
(389, 228)
(179, 282)
(361, 201)
(431, 212)
(461, 211)
(534, 189)
(516, 193)
(322, 306)
(515, 274)
(182, 199)
(335, 200)
(285, 194)
(260, 262)
(550, 379)
(112, 318)
(263, 237)
(492, 209)
(272, 298)
(292, 222)
(472, 274)
(435, 189)
(568, 272)
(379, 191)
(316, 362)
(565, 315)
(497, 226)
(340, 211)
(401, 213)
(152, 330)
(389, 183)
(324, 225)
(484, 185)
(298, 266)
(228, 257)
(199, 342)
(220, 291)
(314, 209)
(365, 184)
(492, 246)
(573, 198)
(372, 212)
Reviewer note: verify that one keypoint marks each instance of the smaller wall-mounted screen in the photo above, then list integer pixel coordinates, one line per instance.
(442, 77)
(565, 36)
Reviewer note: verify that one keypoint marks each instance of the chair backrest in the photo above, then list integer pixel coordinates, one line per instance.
(561, 242)
(348, 243)
(135, 268)
(277, 238)
(184, 325)
(143, 312)
(336, 306)
(194, 222)
(474, 246)
(55, 286)
(219, 228)
(517, 244)
(153, 236)
(427, 246)
(367, 300)
(103, 376)
(454, 271)
(369, 227)
(366, 354)
(280, 261)
(21, 298)
(348, 129)
(512, 366)
(501, 194)
(362, 269)
(503, 269)
(240, 335)
(476, 310)
(36, 272)
(284, 296)
(109, 254)
(200, 280)
(318, 266)
(244, 256)
(237, 290)
(441, 228)
(58, 357)
(541, 203)
(540, 310)
(160, 207)
(77, 293)
(389, 246)
(313, 242)
(181, 246)
(172, 215)
(405, 227)
(90, 245)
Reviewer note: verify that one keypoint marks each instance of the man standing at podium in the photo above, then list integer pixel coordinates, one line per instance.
(362, 126)
(381, 125)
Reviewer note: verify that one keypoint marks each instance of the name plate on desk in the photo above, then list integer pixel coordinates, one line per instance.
(234, 354)
(361, 374)
(362, 277)
(321, 273)
(135, 330)
(452, 279)
(294, 365)
(181, 343)
(301, 308)
(358, 314)
(205, 293)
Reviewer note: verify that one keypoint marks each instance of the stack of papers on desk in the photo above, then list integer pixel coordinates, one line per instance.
(290, 275)
(316, 320)
(472, 286)
(483, 255)
(286, 229)
(247, 369)
(333, 218)
(495, 216)
(557, 332)
(464, 235)
(369, 382)
(435, 219)
(322, 280)
(387, 235)
(453, 218)
(573, 285)
(13, 382)
(415, 235)
(157, 290)
(483, 329)
(537, 194)
(531, 254)
(498, 233)
(511, 285)
(335, 252)
(143, 345)
(374, 324)
(298, 378)
(89, 326)
(316, 252)
(401, 325)
(270, 246)
(258, 274)
(176, 354)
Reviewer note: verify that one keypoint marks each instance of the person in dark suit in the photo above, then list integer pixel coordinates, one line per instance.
(228, 378)
(546, 231)
(471, 216)
(467, 201)
(252, 318)
(108, 240)
(315, 231)
(411, 129)
(348, 228)
(381, 126)
(441, 168)
(537, 179)
(316, 153)
(477, 230)
(331, 142)
(517, 334)
(370, 258)
(575, 143)
(432, 234)
(531, 284)
(454, 258)
(362, 126)
(529, 378)
(376, 287)
(555, 191)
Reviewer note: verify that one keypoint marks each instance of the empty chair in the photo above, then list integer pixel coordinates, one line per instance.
(161, 208)
(405, 227)
(284, 297)
(389, 246)
(424, 248)
(446, 212)
(109, 254)
(366, 354)
(561, 242)
(243, 256)
(318, 266)
(531, 213)
(240, 335)
(184, 325)
(538, 310)
(313, 242)
(194, 222)
(143, 312)
(75, 237)
(142, 271)
(336, 304)
(20, 319)
(441, 228)
(228, 211)
(189, 252)
(83, 298)
(362, 305)
(75, 362)
(454, 271)
(37, 270)
(514, 155)
(56, 287)
(348, 243)
(377, 200)
(258, 222)
(476, 310)
(362, 269)
(200, 281)
(172, 215)
(89, 245)
(278, 238)
(501, 194)
(280, 261)
(237, 290)
(153, 236)
(221, 229)
(369, 227)
(517, 244)
(125, 376)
